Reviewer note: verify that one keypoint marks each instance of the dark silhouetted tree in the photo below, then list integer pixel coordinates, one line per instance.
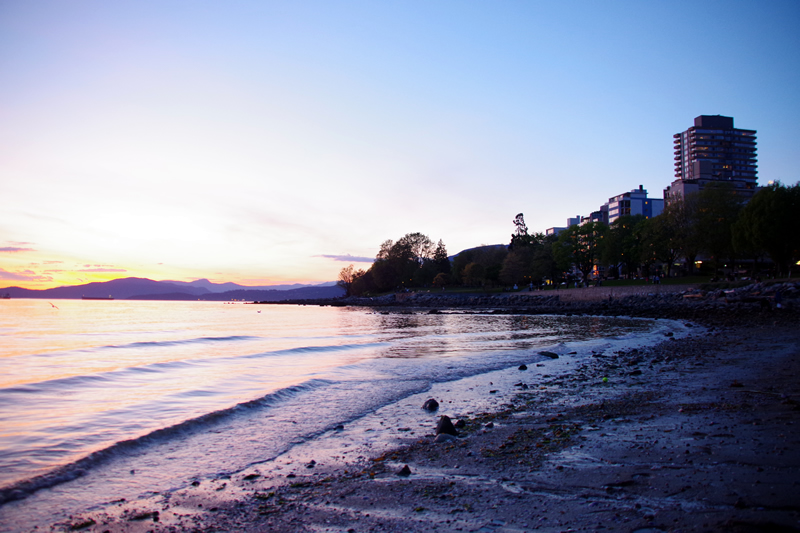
(716, 208)
(770, 222)
(622, 246)
(346, 279)
(581, 247)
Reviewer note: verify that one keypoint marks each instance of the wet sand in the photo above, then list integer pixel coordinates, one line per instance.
(696, 434)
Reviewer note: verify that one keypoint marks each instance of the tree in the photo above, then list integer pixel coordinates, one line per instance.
(362, 283)
(544, 265)
(622, 245)
(441, 259)
(474, 274)
(419, 245)
(346, 276)
(412, 260)
(678, 219)
(716, 209)
(520, 236)
(490, 259)
(658, 242)
(441, 280)
(580, 246)
(769, 222)
(516, 267)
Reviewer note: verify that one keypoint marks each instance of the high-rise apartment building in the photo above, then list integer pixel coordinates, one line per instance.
(714, 151)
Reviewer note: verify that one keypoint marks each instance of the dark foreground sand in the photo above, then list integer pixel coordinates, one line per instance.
(696, 434)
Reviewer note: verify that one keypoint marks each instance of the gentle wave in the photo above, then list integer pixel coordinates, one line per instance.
(81, 467)
(153, 344)
(104, 378)
(314, 349)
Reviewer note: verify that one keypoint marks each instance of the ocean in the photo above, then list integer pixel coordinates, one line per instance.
(104, 400)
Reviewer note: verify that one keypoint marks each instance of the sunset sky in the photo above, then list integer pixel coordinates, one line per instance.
(267, 142)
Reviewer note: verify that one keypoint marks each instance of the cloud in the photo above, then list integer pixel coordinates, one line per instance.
(349, 258)
(15, 249)
(102, 270)
(27, 275)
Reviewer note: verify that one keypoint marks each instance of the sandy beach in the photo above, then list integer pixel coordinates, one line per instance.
(700, 433)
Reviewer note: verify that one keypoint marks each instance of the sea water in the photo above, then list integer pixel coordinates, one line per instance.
(109, 399)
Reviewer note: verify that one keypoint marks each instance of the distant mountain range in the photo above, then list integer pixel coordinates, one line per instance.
(225, 287)
(147, 289)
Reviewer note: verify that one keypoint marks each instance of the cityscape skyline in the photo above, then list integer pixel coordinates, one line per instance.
(264, 143)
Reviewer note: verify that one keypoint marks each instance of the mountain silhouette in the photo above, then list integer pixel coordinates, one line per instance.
(148, 289)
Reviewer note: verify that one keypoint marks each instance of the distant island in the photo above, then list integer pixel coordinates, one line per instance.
(148, 289)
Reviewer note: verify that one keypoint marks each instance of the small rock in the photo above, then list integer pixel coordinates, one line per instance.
(404, 472)
(430, 405)
(444, 437)
(523, 367)
(446, 426)
(311, 464)
(551, 355)
(489, 425)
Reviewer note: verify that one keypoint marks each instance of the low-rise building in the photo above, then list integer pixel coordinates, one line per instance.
(634, 202)
(570, 222)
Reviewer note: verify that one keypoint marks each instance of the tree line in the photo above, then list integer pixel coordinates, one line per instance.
(413, 261)
(714, 224)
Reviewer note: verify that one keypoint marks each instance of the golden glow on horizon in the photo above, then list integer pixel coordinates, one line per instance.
(31, 269)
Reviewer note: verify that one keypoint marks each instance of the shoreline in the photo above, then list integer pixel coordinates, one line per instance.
(639, 452)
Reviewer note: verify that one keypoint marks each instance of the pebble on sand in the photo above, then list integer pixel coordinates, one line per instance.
(430, 405)
(446, 426)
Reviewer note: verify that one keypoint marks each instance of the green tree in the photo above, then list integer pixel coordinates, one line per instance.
(474, 274)
(770, 222)
(622, 247)
(490, 258)
(544, 265)
(516, 269)
(581, 247)
(658, 242)
(716, 209)
(679, 223)
(442, 279)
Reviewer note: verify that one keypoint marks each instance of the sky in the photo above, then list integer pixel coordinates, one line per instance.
(267, 142)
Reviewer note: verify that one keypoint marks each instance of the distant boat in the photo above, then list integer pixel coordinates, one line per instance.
(97, 297)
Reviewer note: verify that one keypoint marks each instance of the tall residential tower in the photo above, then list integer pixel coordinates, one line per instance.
(713, 151)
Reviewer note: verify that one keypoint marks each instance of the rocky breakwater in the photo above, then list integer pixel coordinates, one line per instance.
(768, 300)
